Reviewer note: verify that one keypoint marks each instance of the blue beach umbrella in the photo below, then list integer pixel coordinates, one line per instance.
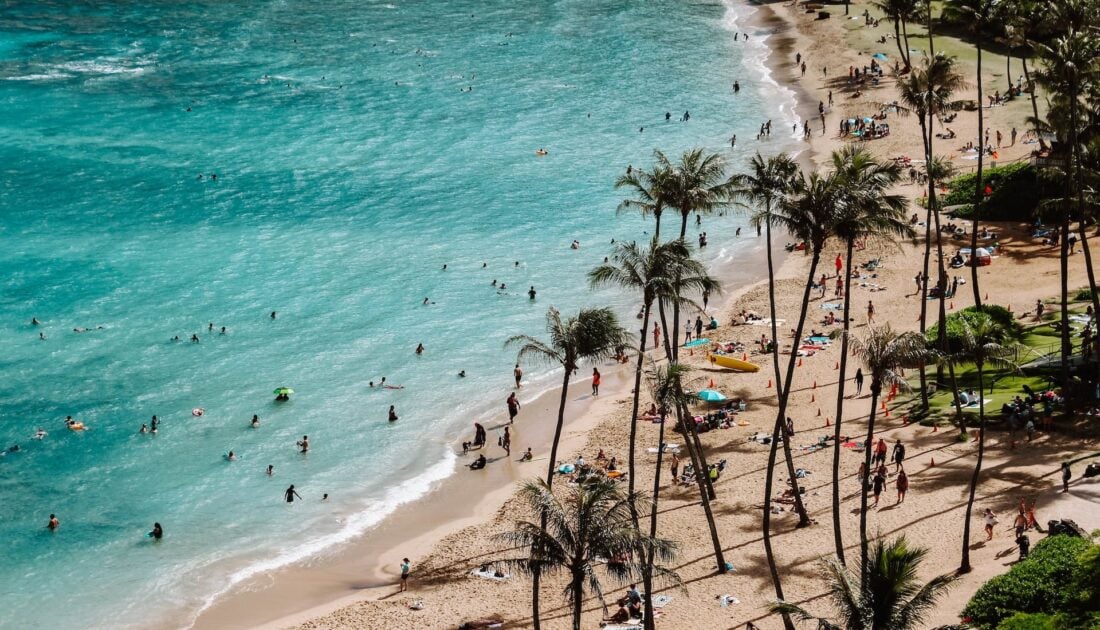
(694, 343)
(879, 56)
(711, 395)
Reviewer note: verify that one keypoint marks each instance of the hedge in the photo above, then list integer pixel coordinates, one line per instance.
(1016, 188)
(1040, 584)
(997, 313)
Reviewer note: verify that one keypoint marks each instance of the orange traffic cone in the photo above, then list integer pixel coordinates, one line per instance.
(744, 356)
(884, 405)
(826, 420)
(712, 383)
(935, 428)
(931, 462)
(813, 397)
(819, 413)
(952, 307)
(815, 385)
(887, 413)
(769, 384)
(837, 366)
(799, 361)
(987, 296)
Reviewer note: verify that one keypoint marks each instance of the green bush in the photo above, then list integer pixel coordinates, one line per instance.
(1016, 193)
(1040, 584)
(998, 314)
(1032, 621)
(1083, 294)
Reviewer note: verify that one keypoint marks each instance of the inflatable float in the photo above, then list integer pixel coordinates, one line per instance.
(732, 363)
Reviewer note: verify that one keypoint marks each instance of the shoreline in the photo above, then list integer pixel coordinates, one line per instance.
(335, 578)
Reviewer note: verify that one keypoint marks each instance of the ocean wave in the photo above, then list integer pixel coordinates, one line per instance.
(356, 524)
(52, 75)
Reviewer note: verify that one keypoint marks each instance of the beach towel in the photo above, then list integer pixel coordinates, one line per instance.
(566, 469)
(851, 444)
(832, 306)
(669, 448)
(661, 601)
(819, 339)
(620, 626)
(767, 321)
(489, 575)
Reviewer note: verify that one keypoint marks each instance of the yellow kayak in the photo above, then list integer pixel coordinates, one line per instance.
(732, 363)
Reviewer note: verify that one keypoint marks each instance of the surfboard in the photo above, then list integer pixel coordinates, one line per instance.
(732, 363)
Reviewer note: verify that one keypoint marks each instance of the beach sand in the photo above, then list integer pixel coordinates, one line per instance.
(450, 533)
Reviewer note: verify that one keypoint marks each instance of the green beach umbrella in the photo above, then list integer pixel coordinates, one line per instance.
(283, 391)
(711, 395)
(694, 343)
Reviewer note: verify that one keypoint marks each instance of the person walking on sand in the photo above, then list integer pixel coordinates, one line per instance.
(518, 373)
(898, 454)
(878, 484)
(1066, 474)
(870, 312)
(902, 484)
(880, 452)
(595, 382)
(405, 568)
(859, 381)
(990, 520)
(506, 441)
(656, 335)
(675, 465)
(513, 407)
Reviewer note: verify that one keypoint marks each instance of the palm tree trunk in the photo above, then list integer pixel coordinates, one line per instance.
(634, 410)
(838, 541)
(1067, 343)
(1034, 103)
(964, 566)
(926, 137)
(905, 54)
(803, 518)
(577, 595)
(535, 575)
(770, 478)
(876, 389)
(979, 189)
(647, 570)
(898, 38)
(1008, 70)
(696, 462)
(941, 337)
(1088, 264)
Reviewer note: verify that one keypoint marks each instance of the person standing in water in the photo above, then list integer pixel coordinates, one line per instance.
(405, 568)
(518, 373)
(54, 523)
(157, 533)
(304, 444)
(595, 382)
(393, 414)
(531, 292)
(255, 421)
(290, 494)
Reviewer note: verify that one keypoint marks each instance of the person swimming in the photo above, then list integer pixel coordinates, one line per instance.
(270, 470)
(231, 456)
(255, 422)
(34, 321)
(272, 314)
(144, 428)
(194, 338)
(157, 533)
(40, 433)
(54, 523)
(419, 348)
(393, 414)
(462, 374)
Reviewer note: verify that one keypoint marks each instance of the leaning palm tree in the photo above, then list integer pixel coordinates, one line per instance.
(648, 187)
(980, 341)
(870, 212)
(591, 335)
(809, 214)
(885, 354)
(573, 537)
(929, 91)
(890, 599)
(980, 17)
(668, 393)
(652, 271)
(698, 184)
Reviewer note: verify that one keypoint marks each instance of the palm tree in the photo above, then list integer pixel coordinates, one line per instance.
(698, 184)
(591, 335)
(765, 185)
(980, 341)
(870, 212)
(809, 214)
(574, 535)
(890, 598)
(660, 271)
(979, 15)
(885, 354)
(666, 386)
(1069, 69)
(900, 12)
(928, 91)
(648, 187)
(1022, 23)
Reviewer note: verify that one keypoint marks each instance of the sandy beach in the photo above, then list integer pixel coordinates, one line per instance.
(451, 532)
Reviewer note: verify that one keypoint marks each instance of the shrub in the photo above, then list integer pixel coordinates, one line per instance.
(1016, 192)
(1032, 621)
(1083, 294)
(998, 314)
(1040, 584)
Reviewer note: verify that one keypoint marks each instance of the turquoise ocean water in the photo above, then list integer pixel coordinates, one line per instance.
(352, 162)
